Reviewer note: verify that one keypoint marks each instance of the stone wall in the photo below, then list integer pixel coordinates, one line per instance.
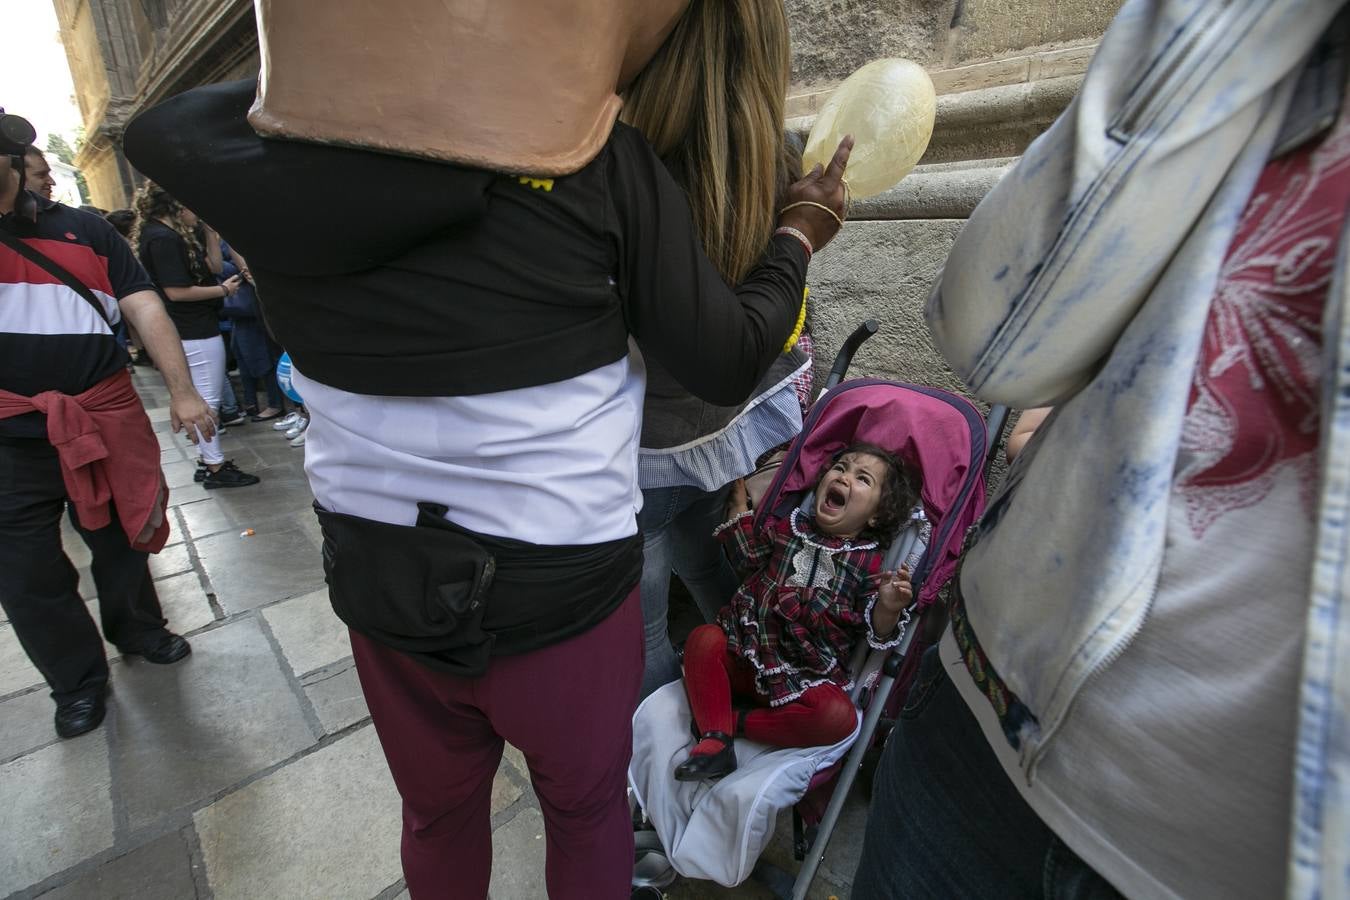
(1003, 69)
(127, 55)
(832, 38)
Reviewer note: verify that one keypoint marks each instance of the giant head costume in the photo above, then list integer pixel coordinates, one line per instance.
(526, 86)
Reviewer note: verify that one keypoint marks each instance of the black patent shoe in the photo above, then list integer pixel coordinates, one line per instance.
(77, 717)
(169, 648)
(711, 765)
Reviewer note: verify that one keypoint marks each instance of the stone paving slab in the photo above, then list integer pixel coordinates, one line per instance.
(56, 810)
(187, 495)
(273, 451)
(335, 693)
(310, 635)
(206, 517)
(159, 870)
(26, 723)
(279, 561)
(184, 602)
(188, 730)
(180, 596)
(506, 790)
(75, 548)
(16, 672)
(325, 826)
(284, 491)
(179, 475)
(170, 561)
(172, 455)
(518, 853)
(87, 589)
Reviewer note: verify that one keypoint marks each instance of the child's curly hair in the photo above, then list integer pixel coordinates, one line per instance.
(153, 202)
(900, 492)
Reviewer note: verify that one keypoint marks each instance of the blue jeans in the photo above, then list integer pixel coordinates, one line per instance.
(677, 525)
(228, 402)
(946, 821)
(275, 399)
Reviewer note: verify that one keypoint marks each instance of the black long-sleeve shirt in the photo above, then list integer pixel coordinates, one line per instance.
(396, 276)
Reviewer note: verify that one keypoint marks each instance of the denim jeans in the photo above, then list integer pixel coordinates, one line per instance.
(947, 822)
(677, 525)
(250, 384)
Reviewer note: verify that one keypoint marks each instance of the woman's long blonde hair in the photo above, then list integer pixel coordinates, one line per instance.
(152, 202)
(711, 105)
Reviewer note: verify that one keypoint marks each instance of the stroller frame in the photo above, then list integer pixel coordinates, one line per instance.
(888, 666)
(866, 662)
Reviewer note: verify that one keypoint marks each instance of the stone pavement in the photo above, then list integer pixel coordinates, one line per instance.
(250, 769)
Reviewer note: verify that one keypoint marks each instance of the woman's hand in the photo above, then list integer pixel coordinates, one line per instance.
(231, 285)
(824, 186)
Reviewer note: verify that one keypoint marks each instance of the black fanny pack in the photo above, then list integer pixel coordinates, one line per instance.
(452, 598)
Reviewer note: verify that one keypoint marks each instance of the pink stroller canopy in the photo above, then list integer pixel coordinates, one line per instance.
(939, 433)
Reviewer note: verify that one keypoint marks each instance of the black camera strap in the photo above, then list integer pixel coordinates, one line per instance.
(41, 259)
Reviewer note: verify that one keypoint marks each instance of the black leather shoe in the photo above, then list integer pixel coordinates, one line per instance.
(167, 649)
(79, 716)
(712, 765)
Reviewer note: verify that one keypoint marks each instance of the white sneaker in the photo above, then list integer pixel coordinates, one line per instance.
(298, 428)
(298, 440)
(285, 421)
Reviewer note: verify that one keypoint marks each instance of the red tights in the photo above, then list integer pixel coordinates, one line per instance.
(821, 716)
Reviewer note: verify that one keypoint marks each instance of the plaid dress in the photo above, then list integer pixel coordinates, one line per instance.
(805, 601)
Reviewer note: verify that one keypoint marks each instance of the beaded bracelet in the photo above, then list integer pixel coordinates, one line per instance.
(792, 232)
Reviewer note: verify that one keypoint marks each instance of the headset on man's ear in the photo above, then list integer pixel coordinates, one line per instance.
(16, 136)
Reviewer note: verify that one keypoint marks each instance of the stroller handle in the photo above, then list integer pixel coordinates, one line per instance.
(845, 357)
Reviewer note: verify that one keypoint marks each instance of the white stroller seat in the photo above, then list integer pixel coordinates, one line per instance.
(715, 830)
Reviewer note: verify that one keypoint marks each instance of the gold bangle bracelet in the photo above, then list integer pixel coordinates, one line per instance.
(837, 218)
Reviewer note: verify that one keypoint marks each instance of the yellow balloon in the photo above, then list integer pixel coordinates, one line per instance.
(889, 106)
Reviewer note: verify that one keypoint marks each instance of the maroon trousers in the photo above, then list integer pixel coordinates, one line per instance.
(568, 707)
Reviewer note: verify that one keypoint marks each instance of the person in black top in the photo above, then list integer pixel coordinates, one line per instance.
(56, 346)
(461, 338)
(183, 271)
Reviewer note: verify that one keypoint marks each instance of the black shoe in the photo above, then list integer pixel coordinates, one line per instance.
(228, 476)
(168, 648)
(77, 717)
(200, 475)
(234, 417)
(713, 765)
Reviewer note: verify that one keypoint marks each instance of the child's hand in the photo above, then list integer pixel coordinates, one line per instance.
(738, 501)
(895, 593)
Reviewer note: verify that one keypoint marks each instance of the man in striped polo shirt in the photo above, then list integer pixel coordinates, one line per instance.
(72, 430)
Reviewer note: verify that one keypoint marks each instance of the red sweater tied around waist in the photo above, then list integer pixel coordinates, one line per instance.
(108, 454)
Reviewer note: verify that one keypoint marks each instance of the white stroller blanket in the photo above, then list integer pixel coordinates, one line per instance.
(715, 830)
